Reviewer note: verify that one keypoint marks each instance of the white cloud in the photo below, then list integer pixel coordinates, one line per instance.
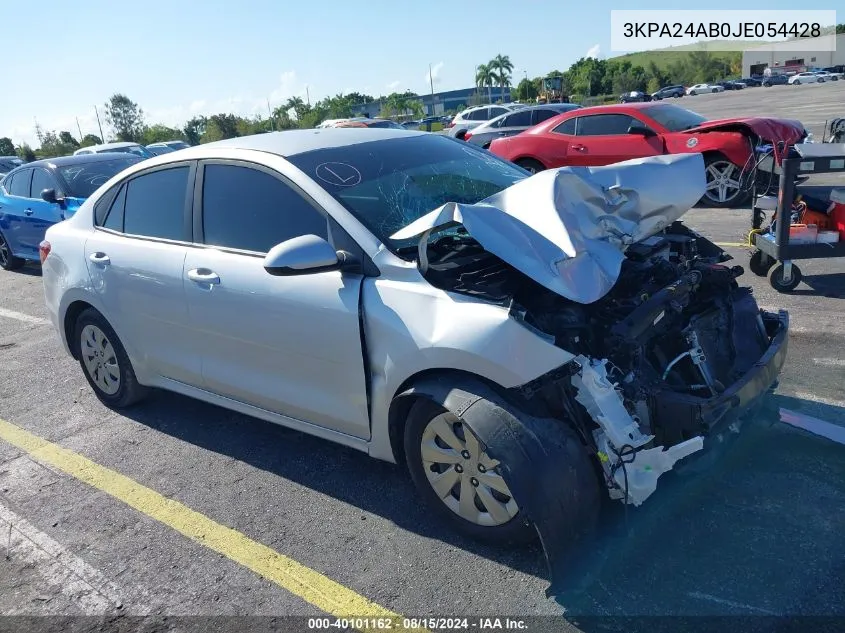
(594, 52)
(434, 76)
(393, 85)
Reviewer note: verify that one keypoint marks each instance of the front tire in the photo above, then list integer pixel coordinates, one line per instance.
(104, 362)
(458, 480)
(725, 187)
(7, 260)
(777, 282)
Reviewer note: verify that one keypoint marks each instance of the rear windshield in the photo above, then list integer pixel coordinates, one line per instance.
(390, 183)
(83, 179)
(674, 118)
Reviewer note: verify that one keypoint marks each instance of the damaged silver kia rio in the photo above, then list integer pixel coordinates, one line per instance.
(528, 345)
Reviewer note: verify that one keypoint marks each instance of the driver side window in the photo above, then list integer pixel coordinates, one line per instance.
(252, 210)
(605, 124)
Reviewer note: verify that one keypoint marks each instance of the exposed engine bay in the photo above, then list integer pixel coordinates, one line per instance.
(656, 359)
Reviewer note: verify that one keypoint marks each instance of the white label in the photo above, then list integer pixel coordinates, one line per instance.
(807, 165)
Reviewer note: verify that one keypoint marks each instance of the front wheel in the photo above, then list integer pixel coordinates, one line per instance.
(104, 362)
(724, 187)
(458, 480)
(531, 165)
(796, 83)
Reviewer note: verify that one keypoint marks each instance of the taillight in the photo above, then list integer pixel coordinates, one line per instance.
(43, 250)
(466, 136)
(450, 124)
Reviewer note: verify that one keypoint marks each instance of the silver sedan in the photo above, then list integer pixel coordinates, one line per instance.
(514, 123)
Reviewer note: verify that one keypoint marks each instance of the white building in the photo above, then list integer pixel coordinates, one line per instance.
(795, 55)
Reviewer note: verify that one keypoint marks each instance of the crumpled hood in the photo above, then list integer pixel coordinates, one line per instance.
(568, 228)
(790, 131)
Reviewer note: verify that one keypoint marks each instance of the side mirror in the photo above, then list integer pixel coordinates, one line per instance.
(641, 130)
(302, 255)
(49, 195)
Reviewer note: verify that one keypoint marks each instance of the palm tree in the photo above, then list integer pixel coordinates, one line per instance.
(484, 78)
(297, 105)
(502, 67)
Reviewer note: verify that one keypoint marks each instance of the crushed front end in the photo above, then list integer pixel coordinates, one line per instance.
(675, 352)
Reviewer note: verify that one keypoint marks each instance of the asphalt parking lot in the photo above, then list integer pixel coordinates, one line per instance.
(758, 534)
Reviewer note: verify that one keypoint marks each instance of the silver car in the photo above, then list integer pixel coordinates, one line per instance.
(525, 344)
(471, 118)
(515, 122)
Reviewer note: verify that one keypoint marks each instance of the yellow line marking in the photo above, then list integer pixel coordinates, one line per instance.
(312, 586)
(734, 244)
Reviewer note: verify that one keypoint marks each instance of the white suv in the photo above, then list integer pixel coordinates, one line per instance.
(471, 118)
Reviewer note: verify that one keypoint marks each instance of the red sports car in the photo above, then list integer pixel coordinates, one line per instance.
(602, 135)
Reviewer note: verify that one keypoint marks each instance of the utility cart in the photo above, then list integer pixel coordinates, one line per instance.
(775, 246)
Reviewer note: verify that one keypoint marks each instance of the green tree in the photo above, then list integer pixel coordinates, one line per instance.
(526, 90)
(194, 129)
(26, 153)
(502, 67)
(840, 28)
(90, 139)
(299, 107)
(125, 117)
(67, 139)
(7, 148)
(282, 120)
(484, 78)
(219, 127)
(159, 133)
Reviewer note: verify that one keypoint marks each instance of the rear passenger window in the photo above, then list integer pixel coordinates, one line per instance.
(20, 184)
(543, 115)
(155, 204)
(567, 127)
(251, 210)
(114, 220)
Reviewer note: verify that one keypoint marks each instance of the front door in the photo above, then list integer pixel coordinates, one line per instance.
(603, 139)
(290, 345)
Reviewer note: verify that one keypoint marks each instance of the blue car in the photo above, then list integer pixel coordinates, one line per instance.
(39, 194)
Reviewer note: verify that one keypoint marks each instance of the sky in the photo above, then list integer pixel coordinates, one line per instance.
(181, 58)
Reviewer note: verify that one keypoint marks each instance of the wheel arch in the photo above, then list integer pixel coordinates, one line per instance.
(72, 312)
(444, 386)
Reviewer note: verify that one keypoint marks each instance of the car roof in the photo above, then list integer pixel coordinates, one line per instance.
(116, 145)
(293, 142)
(62, 161)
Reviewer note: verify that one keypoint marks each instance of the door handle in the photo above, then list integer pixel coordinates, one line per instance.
(99, 258)
(27, 212)
(579, 148)
(203, 276)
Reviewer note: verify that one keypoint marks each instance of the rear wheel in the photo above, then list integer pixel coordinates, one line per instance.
(777, 279)
(105, 363)
(7, 260)
(530, 164)
(760, 263)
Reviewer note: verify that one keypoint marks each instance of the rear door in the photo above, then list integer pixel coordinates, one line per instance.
(14, 211)
(290, 344)
(135, 258)
(603, 139)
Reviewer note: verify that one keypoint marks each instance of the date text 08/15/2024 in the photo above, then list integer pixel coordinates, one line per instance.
(416, 624)
(743, 30)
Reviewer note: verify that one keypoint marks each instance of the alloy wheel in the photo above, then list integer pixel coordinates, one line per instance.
(100, 359)
(723, 181)
(462, 475)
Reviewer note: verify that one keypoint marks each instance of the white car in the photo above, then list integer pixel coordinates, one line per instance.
(698, 89)
(119, 147)
(825, 75)
(471, 118)
(167, 146)
(803, 78)
(520, 342)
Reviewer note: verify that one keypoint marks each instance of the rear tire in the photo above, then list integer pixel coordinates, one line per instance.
(104, 362)
(531, 165)
(7, 260)
(760, 263)
(777, 282)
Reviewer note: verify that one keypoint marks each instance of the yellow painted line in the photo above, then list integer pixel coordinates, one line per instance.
(734, 244)
(312, 586)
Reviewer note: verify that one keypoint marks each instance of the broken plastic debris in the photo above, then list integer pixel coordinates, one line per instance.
(814, 425)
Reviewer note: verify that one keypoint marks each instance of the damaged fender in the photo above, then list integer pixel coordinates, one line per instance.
(542, 460)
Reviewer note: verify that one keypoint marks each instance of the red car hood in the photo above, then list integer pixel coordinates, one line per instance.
(788, 131)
